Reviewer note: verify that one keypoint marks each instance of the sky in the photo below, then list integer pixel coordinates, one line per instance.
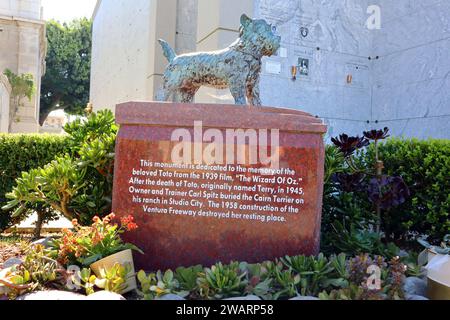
(67, 10)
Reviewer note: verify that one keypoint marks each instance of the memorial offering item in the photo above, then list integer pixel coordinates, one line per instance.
(237, 67)
(99, 246)
(210, 183)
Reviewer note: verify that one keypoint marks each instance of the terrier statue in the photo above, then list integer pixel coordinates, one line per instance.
(237, 67)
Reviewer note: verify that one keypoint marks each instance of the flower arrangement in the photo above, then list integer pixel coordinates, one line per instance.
(86, 245)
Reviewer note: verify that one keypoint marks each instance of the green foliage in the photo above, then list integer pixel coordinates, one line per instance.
(21, 153)
(79, 184)
(334, 162)
(37, 272)
(159, 284)
(425, 167)
(187, 277)
(334, 277)
(112, 280)
(22, 86)
(348, 218)
(353, 292)
(354, 240)
(221, 281)
(115, 278)
(285, 284)
(392, 277)
(67, 79)
(316, 274)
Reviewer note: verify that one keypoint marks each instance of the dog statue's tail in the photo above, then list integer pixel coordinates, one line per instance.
(169, 53)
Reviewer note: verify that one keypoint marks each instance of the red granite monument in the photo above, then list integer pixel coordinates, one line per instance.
(209, 183)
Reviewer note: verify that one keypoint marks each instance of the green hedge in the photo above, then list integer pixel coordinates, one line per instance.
(425, 167)
(20, 153)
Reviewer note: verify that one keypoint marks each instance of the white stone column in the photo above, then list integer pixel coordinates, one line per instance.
(164, 23)
(5, 90)
(31, 53)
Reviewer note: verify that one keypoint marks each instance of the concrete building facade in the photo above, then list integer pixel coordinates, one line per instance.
(5, 91)
(23, 50)
(354, 76)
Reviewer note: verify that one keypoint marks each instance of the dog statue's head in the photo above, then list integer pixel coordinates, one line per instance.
(260, 35)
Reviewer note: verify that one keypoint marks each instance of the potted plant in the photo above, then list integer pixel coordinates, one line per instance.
(99, 246)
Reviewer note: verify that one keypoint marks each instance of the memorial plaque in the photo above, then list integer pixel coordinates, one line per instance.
(209, 183)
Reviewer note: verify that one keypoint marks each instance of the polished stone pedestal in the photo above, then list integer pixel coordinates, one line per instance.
(192, 208)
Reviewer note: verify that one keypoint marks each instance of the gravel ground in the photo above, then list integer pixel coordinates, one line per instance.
(8, 251)
(11, 247)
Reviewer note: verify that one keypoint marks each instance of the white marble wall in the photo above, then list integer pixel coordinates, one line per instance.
(120, 54)
(187, 19)
(411, 88)
(407, 88)
(337, 45)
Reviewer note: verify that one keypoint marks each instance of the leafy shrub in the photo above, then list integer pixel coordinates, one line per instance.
(22, 86)
(21, 153)
(348, 218)
(425, 167)
(79, 184)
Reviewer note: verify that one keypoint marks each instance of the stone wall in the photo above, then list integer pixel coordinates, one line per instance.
(127, 62)
(186, 32)
(411, 85)
(357, 79)
(330, 37)
(120, 54)
(26, 9)
(399, 74)
(5, 90)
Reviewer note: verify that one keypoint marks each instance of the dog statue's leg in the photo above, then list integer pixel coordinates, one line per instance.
(238, 93)
(253, 94)
(187, 96)
(163, 95)
(165, 92)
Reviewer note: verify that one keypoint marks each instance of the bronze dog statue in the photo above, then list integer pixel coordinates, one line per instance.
(237, 67)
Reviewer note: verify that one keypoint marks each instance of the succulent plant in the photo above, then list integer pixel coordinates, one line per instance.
(348, 145)
(115, 278)
(159, 284)
(146, 281)
(221, 281)
(187, 277)
(349, 182)
(377, 135)
(286, 284)
(38, 271)
(388, 192)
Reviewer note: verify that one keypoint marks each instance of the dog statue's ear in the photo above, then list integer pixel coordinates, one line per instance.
(245, 20)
